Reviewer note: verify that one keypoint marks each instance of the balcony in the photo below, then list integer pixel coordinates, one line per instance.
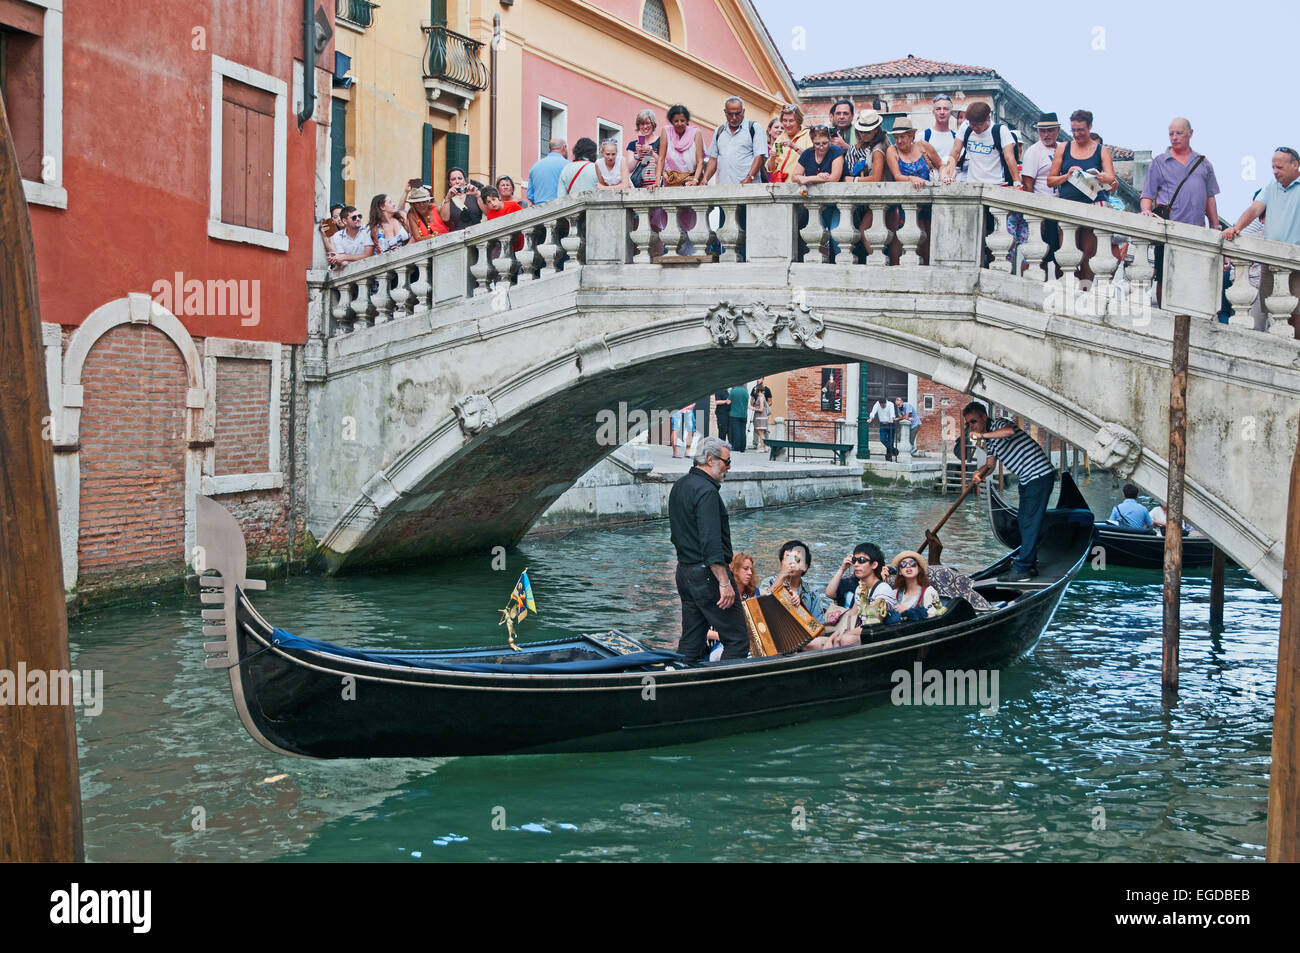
(453, 72)
(358, 14)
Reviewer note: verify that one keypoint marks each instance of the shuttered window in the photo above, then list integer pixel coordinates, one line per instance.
(247, 155)
(22, 82)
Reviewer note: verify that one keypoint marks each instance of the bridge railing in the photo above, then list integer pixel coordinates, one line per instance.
(845, 224)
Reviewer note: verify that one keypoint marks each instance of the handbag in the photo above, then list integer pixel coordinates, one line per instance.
(675, 178)
(1164, 211)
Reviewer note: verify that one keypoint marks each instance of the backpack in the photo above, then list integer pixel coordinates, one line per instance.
(1007, 175)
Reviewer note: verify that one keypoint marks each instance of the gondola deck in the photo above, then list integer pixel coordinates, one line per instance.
(588, 693)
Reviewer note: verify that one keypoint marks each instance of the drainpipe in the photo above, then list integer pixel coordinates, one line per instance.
(492, 111)
(308, 62)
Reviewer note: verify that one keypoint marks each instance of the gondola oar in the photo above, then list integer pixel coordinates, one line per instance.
(932, 535)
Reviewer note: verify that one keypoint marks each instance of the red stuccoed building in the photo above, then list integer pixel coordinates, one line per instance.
(171, 186)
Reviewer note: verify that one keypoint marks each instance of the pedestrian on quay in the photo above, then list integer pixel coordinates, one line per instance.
(882, 411)
(906, 415)
(739, 417)
(722, 414)
(701, 534)
(1027, 461)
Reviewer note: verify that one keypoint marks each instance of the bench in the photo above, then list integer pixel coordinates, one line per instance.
(778, 448)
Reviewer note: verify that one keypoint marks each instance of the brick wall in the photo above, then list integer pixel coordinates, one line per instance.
(804, 402)
(243, 405)
(930, 437)
(133, 446)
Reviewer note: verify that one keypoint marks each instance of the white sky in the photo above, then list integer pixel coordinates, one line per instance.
(1135, 65)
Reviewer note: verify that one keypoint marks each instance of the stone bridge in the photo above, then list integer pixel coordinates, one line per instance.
(459, 386)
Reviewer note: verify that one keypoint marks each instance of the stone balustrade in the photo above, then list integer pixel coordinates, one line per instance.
(869, 225)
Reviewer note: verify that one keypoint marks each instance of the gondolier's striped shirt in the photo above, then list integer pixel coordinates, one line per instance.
(1019, 453)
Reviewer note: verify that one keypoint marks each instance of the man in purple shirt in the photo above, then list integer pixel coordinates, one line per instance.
(1178, 180)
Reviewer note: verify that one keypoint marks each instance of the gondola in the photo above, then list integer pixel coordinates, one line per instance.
(1135, 548)
(588, 693)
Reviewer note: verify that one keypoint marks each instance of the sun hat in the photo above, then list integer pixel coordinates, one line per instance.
(420, 194)
(867, 121)
(1047, 121)
(902, 124)
(911, 554)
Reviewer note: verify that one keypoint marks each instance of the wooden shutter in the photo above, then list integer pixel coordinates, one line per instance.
(247, 155)
(338, 149)
(426, 155)
(458, 151)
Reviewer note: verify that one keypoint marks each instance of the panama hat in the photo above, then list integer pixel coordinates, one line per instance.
(867, 121)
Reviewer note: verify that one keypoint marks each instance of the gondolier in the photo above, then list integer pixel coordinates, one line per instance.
(701, 534)
(1027, 461)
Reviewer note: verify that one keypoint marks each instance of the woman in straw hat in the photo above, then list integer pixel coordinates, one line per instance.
(912, 584)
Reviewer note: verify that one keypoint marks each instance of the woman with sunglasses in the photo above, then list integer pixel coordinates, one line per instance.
(912, 584)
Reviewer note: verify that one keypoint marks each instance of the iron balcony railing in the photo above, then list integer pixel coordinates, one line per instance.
(357, 12)
(453, 57)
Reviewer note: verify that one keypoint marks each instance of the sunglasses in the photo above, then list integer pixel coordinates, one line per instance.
(859, 560)
(1289, 151)
(354, 218)
(908, 564)
(823, 129)
(727, 461)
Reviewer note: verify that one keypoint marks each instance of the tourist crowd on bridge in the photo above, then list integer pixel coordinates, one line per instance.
(853, 146)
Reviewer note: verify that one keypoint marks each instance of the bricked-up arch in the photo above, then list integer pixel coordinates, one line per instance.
(133, 447)
(126, 436)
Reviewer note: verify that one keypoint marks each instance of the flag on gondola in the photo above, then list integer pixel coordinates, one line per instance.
(521, 603)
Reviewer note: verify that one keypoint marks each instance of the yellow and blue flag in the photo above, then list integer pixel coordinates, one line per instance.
(521, 603)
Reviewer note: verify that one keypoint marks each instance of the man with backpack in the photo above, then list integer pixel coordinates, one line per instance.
(988, 148)
(941, 135)
(738, 149)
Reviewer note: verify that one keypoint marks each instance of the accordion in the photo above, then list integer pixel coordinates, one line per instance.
(778, 623)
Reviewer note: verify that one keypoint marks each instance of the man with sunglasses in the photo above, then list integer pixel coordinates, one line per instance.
(353, 243)
(1281, 200)
(1027, 461)
(701, 534)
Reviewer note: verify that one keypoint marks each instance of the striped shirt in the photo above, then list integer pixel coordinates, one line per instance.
(1019, 453)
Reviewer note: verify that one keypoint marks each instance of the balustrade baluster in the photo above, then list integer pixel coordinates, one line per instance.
(482, 268)
(1069, 256)
(380, 300)
(1281, 302)
(1034, 249)
(909, 235)
(1139, 275)
(549, 248)
(342, 311)
(730, 234)
(642, 236)
(812, 234)
(698, 233)
(1103, 265)
(572, 242)
(504, 263)
(361, 304)
(844, 234)
(420, 287)
(1241, 295)
(527, 257)
(877, 235)
(401, 292)
(999, 242)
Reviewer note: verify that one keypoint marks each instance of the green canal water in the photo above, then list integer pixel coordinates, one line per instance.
(1081, 761)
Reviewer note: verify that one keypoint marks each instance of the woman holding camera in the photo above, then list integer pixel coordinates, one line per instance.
(460, 207)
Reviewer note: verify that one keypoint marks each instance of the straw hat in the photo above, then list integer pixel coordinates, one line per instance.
(909, 553)
(903, 124)
(418, 195)
(867, 121)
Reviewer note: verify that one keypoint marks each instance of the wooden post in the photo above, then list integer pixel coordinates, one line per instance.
(1174, 502)
(943, 456)
(1217, 567)
(40, 792)
(1282, 841)
(965, 442)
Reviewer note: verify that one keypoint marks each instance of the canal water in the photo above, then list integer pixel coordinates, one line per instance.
(1080, 762)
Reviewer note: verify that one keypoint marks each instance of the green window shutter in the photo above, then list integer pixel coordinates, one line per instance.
(458, 151)
(426, 155)
(438, 12)
(338, 149)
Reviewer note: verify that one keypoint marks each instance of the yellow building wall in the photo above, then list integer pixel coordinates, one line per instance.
(388, 106)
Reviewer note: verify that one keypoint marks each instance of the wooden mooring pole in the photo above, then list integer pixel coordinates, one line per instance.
(40, 794)
(1282, 843)
(1174, 502)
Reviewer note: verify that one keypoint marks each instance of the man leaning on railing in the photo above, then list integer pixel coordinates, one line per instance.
(1280, 199)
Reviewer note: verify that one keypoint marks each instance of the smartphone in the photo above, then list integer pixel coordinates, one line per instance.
(640, 141)
(414, 183)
